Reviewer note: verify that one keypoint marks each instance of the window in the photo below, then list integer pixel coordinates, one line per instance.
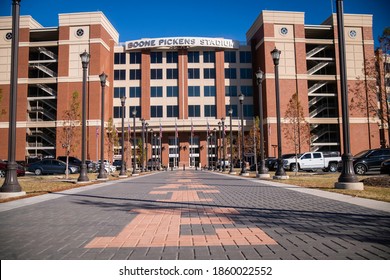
(231, 90)
(209, 110)
(306, 156)
(193, 110)
(118, 112)
(156, 74)
(193, 73)
(317, 155)
(248, 110)
(120, 58)
(156, 57)
(137, 108)
(172, 91)
(156, 92)
(135, 58)
(209, 73)
(209, 90)
(172, 74)
(193, 91)
(193, 57)
(245, 57)
(119, 74)
(247, 90)
(135, 92)
(156, 111)
(172, 111)
(208, 56)
(135, 74)
(171, 57)
(234, 108)
(246, 73)
(230, 56)
(230, 73)
(119, 92)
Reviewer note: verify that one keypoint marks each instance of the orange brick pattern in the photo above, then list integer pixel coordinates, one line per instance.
(161, 227)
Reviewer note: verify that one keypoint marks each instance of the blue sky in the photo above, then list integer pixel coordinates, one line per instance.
(207, 18)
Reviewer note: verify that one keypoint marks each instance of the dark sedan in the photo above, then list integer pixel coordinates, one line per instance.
(51, 166)
(3, 167)
(370, 160)
(385, 167)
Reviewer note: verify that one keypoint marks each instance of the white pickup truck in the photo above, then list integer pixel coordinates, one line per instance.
(313, 161)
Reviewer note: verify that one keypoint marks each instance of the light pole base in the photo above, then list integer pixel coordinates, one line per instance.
(280, 177)
(11, 194)
(134, 174)
(357, 186)
(263, 176)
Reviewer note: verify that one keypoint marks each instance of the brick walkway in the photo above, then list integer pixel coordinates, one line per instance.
(192, 215)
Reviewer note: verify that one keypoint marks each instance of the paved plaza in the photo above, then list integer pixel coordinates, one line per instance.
(194, 215)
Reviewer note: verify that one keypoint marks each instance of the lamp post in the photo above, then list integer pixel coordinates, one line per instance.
(280, 172)
(243, 172)
(143, 145)
(155, 159)
(347, 179)
(151, 149)
(134, 173)
(102, 174)
(210, 150)
(215, 157)
(83, 171)
(231, 142)
(11, 185)
(219, 148)
(263, 171)
(223, 146)
(146, 148)
(122, 173)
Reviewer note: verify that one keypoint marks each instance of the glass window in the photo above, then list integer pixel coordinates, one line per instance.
(208, 56)
(172, 111)
(248, 110)
(230, 56)
(172, 91)
(156, 92)
(234, 108)
(135, 74)
(118, 112)
(306, 156)
(172, 57)
(209, 110)
(172, 74)
(120, 58)
(231, 90)
(209, 73)
(245, 57)
(119, 92)
(247, 90)
(230, 73)
(137, 108)
(156, 74)
(135, 58)
(193, 73)
(193, 57)
(316, 155)
(119, 74)
(246, 73)
(193, 90)
(209, 90)
(193, 110)
(156, 111)
(156, 57)
(135, 92)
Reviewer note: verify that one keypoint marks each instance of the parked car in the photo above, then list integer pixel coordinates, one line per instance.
(117, 163)
(107, 166)
(312, 161)
(51, 166)
(272, 162)
(71, 160)
(385, 167)
(370, 160)
(221, 162)
(3, 167)
(155, 163)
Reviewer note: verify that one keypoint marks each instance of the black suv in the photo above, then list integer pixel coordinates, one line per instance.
(370, 160)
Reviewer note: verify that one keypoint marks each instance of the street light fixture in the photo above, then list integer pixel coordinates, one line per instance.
(230, 112)
(102, 174)
(11, 185)
(122, 173)
(223, 146)
(134, 173)
(263, 171)
(243, 172)
(280, 172)
(85, 57)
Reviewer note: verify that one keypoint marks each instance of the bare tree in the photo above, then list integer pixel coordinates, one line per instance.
(71, 128)
(112, 138)
(2, 111)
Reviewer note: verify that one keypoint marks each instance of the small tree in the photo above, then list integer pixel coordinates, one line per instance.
(296, 130)
(2, 111)
(112, 138)
(71, 128)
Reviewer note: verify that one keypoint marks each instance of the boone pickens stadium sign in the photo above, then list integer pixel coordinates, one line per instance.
(177, 42)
